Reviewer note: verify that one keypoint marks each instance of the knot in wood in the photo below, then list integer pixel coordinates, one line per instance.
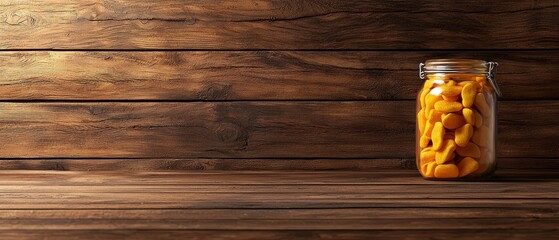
(18, 17)
(229, 132)
(215, 92)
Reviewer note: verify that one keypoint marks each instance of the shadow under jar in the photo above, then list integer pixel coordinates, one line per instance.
(456, 119)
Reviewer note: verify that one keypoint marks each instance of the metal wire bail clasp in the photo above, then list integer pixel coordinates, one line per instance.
(421, 71)
(491, 77)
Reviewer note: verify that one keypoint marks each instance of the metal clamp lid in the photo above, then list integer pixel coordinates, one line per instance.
(421, 70)
(490, 74)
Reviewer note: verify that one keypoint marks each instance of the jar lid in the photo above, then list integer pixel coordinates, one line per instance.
(455, 65)
(472, 66)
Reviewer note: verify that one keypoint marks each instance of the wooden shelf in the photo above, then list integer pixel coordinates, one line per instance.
(275, 205)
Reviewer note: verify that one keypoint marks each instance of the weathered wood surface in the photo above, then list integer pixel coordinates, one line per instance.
(253, 75)
(267, 24)
(370, 129)
(197, 135)
(158, 178)
(275, 204)
(492, 234)
(204, 164)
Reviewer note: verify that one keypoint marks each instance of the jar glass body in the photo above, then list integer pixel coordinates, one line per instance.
(456, 114)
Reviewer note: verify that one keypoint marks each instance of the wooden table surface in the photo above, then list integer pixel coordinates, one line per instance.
(392, 204)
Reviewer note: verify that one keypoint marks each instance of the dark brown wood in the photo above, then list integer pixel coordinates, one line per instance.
(194, 193)
(275, 205)
(219, 164)
(280, 214)
(477, 234)
(386, 177)
(154, 164)
(200, 129)
(249, 130)
(294, 24)
(253, 75)
(289, 224)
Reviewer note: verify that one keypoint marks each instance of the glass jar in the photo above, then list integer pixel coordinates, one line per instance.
(456, 119)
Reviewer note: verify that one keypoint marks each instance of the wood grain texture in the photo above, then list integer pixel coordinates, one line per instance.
(253, 75)
(27, 178)
(290, 224)
(268, 24)
(275, 205)
(203, 129)
(477, 234)
(152, 164)
(248, 130)
(279, 214)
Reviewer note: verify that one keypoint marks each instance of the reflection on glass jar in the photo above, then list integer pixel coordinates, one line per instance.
(456, 119)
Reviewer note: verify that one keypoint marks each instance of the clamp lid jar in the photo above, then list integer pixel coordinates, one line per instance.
(456, 112)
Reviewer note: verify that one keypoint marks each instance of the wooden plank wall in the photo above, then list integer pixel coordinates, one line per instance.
(259, 84)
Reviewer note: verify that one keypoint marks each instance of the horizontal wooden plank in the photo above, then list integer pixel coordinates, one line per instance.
(26, 178)
(240, 129)
(279, 214)
(294, 24)
(33, 190)
(378, 191)
(141, 234)
(279, 192)
(154, 164)
(290, 224)
(253, 75)
(272, 189)
(248, 130)
(242, 202)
